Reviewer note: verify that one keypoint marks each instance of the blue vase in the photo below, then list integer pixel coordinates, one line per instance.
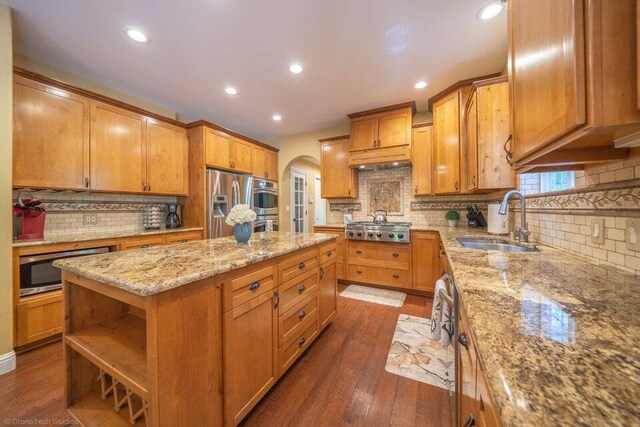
(242, 232)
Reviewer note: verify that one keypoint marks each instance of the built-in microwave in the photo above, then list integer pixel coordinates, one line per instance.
(265, 197)
(38, 275)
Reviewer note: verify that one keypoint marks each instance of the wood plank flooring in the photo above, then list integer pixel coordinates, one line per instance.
(339, 381)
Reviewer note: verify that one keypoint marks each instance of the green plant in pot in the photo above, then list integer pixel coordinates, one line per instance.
(452, 217)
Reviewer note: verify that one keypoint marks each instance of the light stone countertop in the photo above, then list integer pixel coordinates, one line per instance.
(102, 235)
(557, 334)
(157, 269)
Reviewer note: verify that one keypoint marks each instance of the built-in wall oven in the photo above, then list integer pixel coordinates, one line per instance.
(265, 203)
(38, 275)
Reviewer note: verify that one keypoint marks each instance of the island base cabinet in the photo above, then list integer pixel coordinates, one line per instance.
(250, 355)
(328, 293)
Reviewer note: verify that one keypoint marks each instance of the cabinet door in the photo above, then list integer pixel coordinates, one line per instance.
(38, 317)
(167, 159)
(486, 411)
(547, 71)
(328, 293)
(217, 149)
(446, 137)
(50, 137)
(338, 179)
(241, 155)
(472, 143)
(117, 149)
(250, 353)
(425, 261)
(258, 162)
(272, 165)
(466, 372)
(421, 152)
(394, 129)
(364, 134)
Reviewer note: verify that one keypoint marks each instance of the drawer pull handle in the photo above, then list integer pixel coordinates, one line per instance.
(321, 272)
(301, 289)
(276, 299)
(358, 251)
(144, 246)
(471, 421)
(396, 254)
(302, 314)
(395, 276)
(462, 339)
(254, 286)
(183, 241)
(329, 253)
(302, 341)
(359, 271)
(301, 265)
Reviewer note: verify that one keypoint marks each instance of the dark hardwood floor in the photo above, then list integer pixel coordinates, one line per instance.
(340, 380)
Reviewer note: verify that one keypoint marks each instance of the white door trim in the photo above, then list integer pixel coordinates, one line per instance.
(319, 204)
(305, 208)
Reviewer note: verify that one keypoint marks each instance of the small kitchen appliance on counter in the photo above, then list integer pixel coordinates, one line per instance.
(28, 218)
(173, 218)
(498, 224)
(475, 217)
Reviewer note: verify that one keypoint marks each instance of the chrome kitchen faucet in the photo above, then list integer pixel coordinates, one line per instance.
(521, 233)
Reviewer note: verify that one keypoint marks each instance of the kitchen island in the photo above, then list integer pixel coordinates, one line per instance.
(191, 334)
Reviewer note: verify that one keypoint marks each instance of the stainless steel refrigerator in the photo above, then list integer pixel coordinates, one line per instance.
(224, 191)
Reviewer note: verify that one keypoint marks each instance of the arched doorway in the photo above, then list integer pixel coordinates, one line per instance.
(300, 204)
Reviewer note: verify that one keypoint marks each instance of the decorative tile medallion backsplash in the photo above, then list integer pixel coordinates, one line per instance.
(386, 195)
(66, 211)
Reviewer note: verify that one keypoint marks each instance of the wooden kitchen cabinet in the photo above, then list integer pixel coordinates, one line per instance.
(426, 268)
(340, 248)
(421, 160)
(217, 149)
(272, 165)
(486, 410)
(50, 137)
(487, 129)
(38, 317)
(572, 99)
(382, 135)
(378, 263)
(117, 149)
(328, 289)
(167, 158)
(258, 162)
(141, 243)
(250, 349)
(446, 144)
(240, 155)
(339, 181)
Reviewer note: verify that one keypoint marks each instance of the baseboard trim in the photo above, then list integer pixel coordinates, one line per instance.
(7, 362)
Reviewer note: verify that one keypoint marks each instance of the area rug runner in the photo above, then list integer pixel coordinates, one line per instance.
(414, 355)
(378, 296)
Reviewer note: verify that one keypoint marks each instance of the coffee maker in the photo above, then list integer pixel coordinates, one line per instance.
(173, 218)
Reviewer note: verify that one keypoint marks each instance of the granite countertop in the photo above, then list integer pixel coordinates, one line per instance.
(103, 235)
(157, 269)
(556, 333)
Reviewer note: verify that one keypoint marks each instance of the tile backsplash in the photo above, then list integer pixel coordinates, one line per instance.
(66, 211)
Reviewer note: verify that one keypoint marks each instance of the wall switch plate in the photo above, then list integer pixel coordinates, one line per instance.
(632, 234)
(91, 219)
(597, 231)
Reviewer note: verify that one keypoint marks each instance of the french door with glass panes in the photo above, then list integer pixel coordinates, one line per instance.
(299, 201)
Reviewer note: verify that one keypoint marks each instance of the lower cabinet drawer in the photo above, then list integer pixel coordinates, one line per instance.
(292, 322)
(379, 276)
(39, 317)
(238, 290)
(142, 243)
(298, 343)
(183, 237)
(328, 252)
(297, 289)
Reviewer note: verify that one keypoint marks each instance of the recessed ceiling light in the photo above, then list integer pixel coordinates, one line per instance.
(420, 85)
(396, 163)
(277, 117)
(295, 68)
(490, 10)
(137, 35)
(231, 90)
(362, 166)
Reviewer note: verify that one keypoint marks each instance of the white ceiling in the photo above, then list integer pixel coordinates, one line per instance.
(357, 54)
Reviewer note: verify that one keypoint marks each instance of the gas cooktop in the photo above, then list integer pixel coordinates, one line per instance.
(396, 232)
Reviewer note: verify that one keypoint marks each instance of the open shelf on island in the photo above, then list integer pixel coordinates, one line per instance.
(94, 411)
(118, 346)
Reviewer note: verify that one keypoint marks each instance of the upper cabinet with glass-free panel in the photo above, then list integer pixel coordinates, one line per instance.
(573, 77)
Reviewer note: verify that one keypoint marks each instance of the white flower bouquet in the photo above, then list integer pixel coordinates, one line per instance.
(240, 214)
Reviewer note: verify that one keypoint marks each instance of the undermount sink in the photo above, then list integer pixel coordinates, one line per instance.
(495, 245)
